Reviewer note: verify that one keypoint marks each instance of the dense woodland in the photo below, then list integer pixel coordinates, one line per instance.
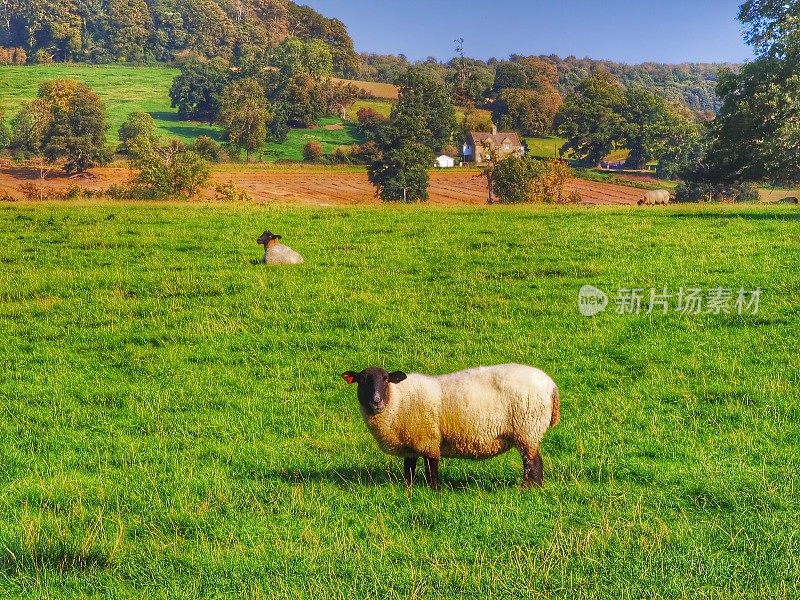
(105, 31)
(692, 84)
(245, 31)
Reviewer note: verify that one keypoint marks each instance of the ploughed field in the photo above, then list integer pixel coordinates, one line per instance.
(318, 185)
(174, 425)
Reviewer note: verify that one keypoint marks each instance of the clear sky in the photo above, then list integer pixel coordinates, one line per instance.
(630, 31)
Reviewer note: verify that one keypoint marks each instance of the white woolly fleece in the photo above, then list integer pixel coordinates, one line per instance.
(278, 254)
(478, 413)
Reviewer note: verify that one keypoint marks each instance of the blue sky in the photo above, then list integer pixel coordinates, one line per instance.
(629, 31)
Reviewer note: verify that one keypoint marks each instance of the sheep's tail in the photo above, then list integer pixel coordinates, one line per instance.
(556, 417)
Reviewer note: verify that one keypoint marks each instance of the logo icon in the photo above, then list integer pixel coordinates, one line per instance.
(592, 301)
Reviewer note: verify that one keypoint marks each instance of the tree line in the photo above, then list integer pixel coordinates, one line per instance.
(691, 84)
(240, 31)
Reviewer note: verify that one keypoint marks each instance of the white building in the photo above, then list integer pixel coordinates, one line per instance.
(445, 162)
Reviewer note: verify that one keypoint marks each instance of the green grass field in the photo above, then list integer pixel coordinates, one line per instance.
(545, 147)
(126, 89)
(174, 424)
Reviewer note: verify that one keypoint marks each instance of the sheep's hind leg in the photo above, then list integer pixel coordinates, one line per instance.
(410, 469)
(533, 468)
(432, 473)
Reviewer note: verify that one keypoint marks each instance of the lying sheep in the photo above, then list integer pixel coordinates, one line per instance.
(276, 253)
(655, 197)
(476, 414)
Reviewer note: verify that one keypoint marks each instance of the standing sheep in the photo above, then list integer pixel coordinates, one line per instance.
(276, 253)
(655, 197)
(476, 414)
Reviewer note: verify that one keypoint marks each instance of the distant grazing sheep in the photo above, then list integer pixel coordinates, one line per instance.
(476, 414)
(276, 253)
(655, 197)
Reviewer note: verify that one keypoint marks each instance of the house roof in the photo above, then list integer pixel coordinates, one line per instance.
(496, 139)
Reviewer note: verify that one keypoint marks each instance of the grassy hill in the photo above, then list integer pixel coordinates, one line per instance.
(127, 89)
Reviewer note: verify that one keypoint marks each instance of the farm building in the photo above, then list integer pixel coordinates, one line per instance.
(445, 162)
(476, 148)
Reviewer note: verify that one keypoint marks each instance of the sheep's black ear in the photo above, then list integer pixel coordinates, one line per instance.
(278, 237)
(397, 377)
(350, 377)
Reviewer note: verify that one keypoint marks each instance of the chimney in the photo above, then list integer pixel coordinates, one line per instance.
(494, 129)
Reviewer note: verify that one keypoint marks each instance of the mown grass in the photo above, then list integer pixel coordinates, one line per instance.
(124, 89)
(174, 425)
(545, 147)
(345, 134)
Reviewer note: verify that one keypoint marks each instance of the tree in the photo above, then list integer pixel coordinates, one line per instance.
(244, 116)
(138, 126)
(509, 75)
(339, 97)
(423, 113)
(757, 132)
(65, 121)
(294, 57)
(312, 151)
(278, 126)
(196, 92)
(170, 170)
(401, 173)
(129, 27)
(772, 26)
(300, 98)
(77, 131)
(28, 127)
(591, 118)
(531, 112)
(422, 124)
(369, 122)
(654, 128)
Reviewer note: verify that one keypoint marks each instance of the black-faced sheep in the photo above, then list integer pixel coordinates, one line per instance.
(276, 253)
(655, 197)
(476, 414)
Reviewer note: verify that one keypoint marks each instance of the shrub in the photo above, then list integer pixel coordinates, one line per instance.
(341, 155)
(5, 132)
(13, 56)
(312, 151)
(700, 191)
(528, 179)
(230, 192)
(207, 149)
(549, 180)
(369, 122)
(364, 154)
(138, 126)
(172, 170)
(42, 57)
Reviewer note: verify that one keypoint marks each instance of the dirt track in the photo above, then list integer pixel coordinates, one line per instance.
(317, 187)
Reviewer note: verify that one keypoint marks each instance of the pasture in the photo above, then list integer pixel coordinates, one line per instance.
(174, 425)
(127, 89)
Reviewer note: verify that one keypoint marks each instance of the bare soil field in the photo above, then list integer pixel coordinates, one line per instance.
(314, 187)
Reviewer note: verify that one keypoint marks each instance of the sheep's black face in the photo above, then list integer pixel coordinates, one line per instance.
(267, 237)
(373, 387)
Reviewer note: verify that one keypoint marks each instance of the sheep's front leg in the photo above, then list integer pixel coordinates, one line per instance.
(432, 473)
(410, 469)
(533, 468)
